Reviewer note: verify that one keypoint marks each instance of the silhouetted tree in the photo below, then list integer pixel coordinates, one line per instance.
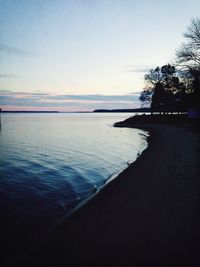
(162, 83)
(188, 59)
(146, 96)
(192, 86)
(189, 52)
(168, 88)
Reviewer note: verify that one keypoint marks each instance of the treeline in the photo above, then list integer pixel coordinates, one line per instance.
(177, 86)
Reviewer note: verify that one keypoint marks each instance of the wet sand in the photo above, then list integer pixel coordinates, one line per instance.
(148, 216)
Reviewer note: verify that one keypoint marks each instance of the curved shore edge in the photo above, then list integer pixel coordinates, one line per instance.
(148, 215)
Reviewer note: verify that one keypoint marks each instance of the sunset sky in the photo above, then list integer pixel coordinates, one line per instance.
(81, 55)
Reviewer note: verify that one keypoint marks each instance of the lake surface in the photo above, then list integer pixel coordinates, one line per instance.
(51, 163)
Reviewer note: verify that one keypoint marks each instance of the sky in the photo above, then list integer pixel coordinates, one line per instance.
(70, 55)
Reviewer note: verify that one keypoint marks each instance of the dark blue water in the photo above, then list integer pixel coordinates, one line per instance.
(50, 163)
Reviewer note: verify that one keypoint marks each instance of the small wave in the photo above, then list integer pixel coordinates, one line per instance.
(50, 167)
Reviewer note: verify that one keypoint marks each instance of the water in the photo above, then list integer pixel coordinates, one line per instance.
(50, 163)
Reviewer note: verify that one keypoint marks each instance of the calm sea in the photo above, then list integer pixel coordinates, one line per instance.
(51, 163)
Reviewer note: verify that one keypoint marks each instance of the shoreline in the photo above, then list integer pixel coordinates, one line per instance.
(147, 215)
(110, 178)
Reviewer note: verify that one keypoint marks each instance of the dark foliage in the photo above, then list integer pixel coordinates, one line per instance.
(177, 88)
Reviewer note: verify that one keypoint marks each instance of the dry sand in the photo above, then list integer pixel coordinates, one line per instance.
(148, 216)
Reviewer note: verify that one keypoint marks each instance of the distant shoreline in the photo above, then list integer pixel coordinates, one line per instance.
(93, 111)
(60, 112)
(135, 110)
(24, 111)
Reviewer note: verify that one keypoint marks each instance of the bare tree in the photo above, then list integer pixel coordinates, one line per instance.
(188, 59)
(146, 97)
(189, 52)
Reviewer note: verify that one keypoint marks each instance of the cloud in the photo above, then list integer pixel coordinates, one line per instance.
(95, 97)
(16, 51)
(67, 102)
(9, 76)
(138, 68)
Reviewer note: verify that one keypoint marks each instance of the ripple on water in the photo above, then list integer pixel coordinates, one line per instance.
(49, 164)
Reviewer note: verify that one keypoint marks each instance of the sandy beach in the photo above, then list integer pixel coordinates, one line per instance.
(148, 216)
